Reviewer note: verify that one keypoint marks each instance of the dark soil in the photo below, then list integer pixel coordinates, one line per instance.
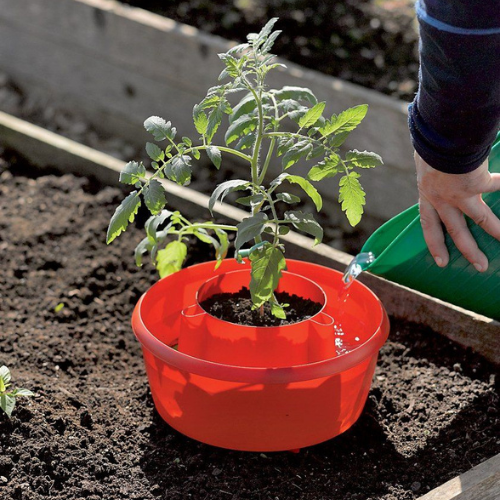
(369, 42)
(92, 432)
(237, 308)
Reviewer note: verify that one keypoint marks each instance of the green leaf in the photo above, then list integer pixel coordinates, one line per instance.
(59, 307)
(307, 223)
(154, 196)
(327, 168)
(5, 375)
(346, 121)
(200, 120)
(250, 228)
(221, 252)
(256, 40)
(212, 101)
(179, 170)
(309, 189)
(124, 214)
(196, 154)
(132, 172)
(246, 106)
(312, 116)
(267, 264)
(170, 259)
(223, 189)
(231, 64)
(246, 142)
(295, 153)
(160, 128)
(187, 141)
(284, 144)
(268, 45)
(287, 198)
(352, 197)
(243, 125)
(295, 93)
(337, 140)
(363, 159)
(214, 120)
(144, 246)
(22, 392)
(297, 114)
(215, 155)
(250, 201)
(7, 404)
(154, 152)
(288, 105)
(203, 235)
(154, 222)
(277, 310)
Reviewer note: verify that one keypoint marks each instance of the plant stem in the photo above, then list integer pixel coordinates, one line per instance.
(232, 151)
(273, 142)
(209, 225)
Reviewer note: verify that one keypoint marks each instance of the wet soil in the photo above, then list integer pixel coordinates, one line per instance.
(92, 431)
(237, 308)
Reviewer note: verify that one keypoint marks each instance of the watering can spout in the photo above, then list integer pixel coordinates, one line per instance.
(400, 254)
(359, 264)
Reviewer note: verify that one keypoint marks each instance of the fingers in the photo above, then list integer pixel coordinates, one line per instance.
(483, 216)
(457, 228)
(433, 232)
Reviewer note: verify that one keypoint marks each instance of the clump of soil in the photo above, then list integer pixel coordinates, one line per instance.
(92, 431)
(237, 308)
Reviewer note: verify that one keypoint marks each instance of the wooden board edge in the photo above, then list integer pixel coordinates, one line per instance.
(480, 483)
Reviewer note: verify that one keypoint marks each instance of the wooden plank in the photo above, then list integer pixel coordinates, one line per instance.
(125, 64)
(480, 483)
(45, 148)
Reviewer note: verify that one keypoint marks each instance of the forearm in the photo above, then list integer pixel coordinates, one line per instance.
(456, 113)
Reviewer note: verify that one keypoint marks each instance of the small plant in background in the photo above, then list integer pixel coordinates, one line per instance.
(8, 396)
(256, 133)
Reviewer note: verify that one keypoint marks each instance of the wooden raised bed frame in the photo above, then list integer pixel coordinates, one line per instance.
(44, 149)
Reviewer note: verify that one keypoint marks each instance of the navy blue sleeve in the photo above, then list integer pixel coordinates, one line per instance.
(455, 116)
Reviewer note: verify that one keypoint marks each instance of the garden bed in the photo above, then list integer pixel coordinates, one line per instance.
(92, 431)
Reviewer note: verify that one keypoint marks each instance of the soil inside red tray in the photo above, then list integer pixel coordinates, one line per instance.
(237, 308)
(92, 430)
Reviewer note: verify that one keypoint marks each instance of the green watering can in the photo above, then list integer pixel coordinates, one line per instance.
(401, 255)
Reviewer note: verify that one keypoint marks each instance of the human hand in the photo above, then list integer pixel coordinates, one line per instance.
(445, 198)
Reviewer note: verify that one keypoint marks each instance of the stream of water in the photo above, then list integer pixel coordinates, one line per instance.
(359, 264)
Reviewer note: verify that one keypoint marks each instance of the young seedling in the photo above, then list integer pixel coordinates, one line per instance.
(260, 128)
(8, 397)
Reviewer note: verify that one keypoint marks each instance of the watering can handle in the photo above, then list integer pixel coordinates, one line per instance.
(330, 320)
(198, 311)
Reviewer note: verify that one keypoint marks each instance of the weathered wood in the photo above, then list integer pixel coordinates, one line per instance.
(480, 483)
(117, 65)
(45, 148)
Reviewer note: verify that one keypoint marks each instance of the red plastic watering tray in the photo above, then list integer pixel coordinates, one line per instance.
(207, 337)
(258, 408)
